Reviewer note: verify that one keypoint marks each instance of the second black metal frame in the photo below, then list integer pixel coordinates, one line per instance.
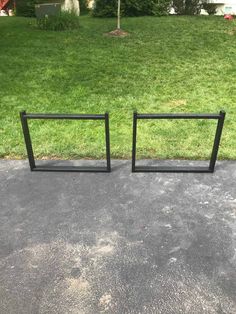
(24, 121)
(220, 117)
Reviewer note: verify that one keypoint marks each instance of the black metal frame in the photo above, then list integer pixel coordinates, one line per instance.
(24, 121)
(220, 117)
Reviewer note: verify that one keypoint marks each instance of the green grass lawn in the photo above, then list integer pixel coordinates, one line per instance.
(167, 64)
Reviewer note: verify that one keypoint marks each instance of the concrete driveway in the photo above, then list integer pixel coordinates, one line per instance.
(118, 242)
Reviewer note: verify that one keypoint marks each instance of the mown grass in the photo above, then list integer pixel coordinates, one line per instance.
(167, 64)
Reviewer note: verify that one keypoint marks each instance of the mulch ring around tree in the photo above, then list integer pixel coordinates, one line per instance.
(117, 33)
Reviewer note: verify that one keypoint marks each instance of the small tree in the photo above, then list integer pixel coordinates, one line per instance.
(118, 31)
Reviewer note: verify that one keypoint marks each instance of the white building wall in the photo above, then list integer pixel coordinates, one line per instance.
(225, 6)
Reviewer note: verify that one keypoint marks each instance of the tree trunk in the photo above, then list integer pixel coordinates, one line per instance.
(118, 15)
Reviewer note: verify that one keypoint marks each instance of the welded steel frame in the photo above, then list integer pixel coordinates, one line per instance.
(220, 117)
(33, 167)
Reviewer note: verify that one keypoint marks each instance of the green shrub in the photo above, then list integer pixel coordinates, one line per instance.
(135, 7)
(187, 7)
(25, 8)
(108, 8)
(63, 21)
(209, 7)
(161, 7)
(83, 4)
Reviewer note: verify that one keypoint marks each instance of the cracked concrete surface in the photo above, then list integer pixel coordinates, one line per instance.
(118, 242)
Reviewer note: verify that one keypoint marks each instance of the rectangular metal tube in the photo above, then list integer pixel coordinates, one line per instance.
(218, 134)
(70, 169)
(134, 140)
(107, 135)
(189, 169)
(65, 116)
(177, 116)
(27, 139)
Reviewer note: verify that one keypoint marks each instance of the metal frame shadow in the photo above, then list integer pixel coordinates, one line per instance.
(24, 121)
(220, 117)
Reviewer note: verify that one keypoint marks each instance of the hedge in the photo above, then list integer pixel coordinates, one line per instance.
(108, 8)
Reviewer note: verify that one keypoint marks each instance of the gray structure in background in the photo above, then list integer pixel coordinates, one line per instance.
(47, 9)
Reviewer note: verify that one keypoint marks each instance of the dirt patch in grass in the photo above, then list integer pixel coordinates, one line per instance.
(177, 102)
(117, 33)
(232, 31)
